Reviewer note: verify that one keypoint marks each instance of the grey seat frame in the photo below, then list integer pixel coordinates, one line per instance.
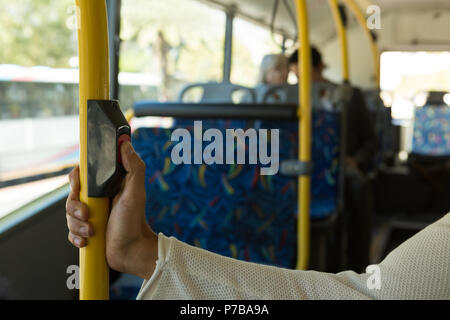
(217, 92)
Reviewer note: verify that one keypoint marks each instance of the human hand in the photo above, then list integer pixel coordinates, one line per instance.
(131, 245)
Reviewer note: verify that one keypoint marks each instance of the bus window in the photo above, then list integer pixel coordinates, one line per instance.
(406, 79)
(38, 98)
(166, 45)
(250, 44)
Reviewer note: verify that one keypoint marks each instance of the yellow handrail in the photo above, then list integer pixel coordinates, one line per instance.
(304, 152)
(342, 35)
(129, 114)
(374, 48)
(94, 84)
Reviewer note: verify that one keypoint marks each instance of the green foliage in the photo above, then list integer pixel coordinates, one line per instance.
(37, 32)
(194, 32)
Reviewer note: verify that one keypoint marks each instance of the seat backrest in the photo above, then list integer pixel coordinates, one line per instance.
(219, 92)
(232, 209)
(435, 98)
(383, 126)
(320, 92)
(432, 131)
(276, 93)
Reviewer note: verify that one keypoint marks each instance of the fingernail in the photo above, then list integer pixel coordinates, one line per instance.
(78, 214)
(128, 147)
(85, 231)
(77, 241)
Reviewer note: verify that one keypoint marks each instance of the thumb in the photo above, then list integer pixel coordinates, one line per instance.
(134, 166)
(132, 163)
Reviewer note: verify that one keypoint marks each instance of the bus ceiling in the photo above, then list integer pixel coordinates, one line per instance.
(322, 27)
(280, 16)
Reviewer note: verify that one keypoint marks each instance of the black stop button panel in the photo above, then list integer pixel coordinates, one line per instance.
(107, 129)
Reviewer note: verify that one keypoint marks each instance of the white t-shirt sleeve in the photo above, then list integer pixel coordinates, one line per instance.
(417, 269)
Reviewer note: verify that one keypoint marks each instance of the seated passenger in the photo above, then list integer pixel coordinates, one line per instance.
(318, 66)
(417, 269)
(316, 76)
(360, 148)
(274, 70)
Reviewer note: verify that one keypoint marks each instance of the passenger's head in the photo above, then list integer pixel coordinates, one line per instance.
(274, 69)
(317, 63)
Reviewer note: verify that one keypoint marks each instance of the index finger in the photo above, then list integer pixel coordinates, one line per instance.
(74, 179)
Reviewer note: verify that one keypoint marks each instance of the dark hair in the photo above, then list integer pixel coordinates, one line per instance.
(316, 57)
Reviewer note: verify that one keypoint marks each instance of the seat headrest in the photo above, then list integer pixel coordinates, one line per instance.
(436, 98)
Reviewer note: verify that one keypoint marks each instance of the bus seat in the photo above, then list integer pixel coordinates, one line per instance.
(420, 187)
(432, 131)
(276, 93)
(383, 126)
(218, 92)
(321, 93)
(435, 98)
(232, 209)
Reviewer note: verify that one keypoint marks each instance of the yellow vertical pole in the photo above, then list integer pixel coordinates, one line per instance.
(94, 84)
(342, 35)
(304, 152)
(373, 46)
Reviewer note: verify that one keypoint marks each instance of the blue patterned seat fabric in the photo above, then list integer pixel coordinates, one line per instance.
(432, 131)
(232, 209)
